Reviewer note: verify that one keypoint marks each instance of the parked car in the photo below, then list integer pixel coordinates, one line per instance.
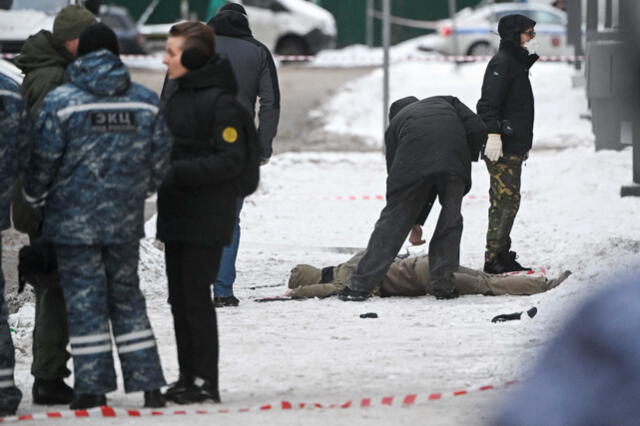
(286, 27)
(477, 30)
(21, 18)
(117, 18)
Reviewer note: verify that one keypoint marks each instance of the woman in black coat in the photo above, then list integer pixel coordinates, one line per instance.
(210, 166)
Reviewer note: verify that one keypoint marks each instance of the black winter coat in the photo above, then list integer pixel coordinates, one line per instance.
(255, 72)
(506, 89)
(432, 136)
(196, 202)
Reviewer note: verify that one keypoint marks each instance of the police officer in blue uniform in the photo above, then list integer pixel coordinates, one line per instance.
(103, 148)
(14, 152)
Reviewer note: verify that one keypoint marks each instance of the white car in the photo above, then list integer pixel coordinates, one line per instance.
(477, 30)
(286, 27)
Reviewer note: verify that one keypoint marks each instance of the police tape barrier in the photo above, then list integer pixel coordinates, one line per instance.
(386, 401)
(156, 61)
(307, 197)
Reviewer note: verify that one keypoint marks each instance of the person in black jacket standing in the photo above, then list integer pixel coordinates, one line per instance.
(507, 108)
(214, 161)
(257, 77)
(430, 146)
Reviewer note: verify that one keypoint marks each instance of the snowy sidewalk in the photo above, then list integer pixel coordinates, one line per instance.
(320, 350)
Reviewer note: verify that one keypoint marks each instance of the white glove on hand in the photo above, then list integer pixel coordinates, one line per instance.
(532, 46)
(493, 148)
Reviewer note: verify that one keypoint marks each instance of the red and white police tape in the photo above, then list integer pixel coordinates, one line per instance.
(157, 60)
(387, 401)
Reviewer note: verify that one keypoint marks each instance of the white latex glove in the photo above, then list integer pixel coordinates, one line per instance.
(532, 46)
(493, 148)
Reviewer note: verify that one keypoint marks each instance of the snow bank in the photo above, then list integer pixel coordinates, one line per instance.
(357, 109)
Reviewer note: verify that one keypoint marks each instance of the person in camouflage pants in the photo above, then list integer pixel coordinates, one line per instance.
(14, 152)
(103, 148)
(504, 195)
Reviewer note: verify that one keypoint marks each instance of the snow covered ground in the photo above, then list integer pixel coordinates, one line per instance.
(320, 350)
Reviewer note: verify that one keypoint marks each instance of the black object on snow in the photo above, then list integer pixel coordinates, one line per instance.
(515, 316)
(369, 315)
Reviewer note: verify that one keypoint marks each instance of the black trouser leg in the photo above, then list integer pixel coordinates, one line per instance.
(444, 247)
(190, 271)
(391, 230)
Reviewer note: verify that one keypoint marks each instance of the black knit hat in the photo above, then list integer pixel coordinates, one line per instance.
(235, 7)
(510, 27)
(96, 37)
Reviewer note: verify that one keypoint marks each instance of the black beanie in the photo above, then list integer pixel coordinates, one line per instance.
(235, 7)
(96, 37)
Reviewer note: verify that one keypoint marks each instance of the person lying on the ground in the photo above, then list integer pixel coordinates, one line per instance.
(410, 277)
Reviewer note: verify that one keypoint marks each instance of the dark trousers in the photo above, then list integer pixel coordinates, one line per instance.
(50, 333)
(190, 271)
(396, 220)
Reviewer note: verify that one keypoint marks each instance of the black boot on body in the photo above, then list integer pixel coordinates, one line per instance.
(51, 392)
(84, 401)
(154, 399)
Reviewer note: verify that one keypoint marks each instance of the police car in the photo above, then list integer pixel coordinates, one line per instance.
(477, 30)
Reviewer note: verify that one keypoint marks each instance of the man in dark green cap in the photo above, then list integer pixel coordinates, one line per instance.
(44, 59)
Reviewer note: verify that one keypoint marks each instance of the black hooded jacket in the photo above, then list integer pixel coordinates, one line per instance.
(506, 89)
(211, 163)
(435, 135)
(255, 72)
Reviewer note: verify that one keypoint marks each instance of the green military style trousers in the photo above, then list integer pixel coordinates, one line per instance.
(504, 195)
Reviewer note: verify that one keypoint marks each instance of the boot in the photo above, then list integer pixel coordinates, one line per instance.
(200, 391)
(154, 399)
(84, 401)
(180, 386)
(445, 293)
(51, 392)
(504, 263)
(221, 302)
(348, 295)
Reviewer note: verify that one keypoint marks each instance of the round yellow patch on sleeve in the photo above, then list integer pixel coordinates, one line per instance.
(230, 134)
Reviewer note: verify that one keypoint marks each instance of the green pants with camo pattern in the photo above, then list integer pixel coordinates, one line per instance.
(504, 195)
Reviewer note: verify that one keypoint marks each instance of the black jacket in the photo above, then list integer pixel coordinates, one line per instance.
(211, 161)
(506, 89)
(432, 136)
(255, 72)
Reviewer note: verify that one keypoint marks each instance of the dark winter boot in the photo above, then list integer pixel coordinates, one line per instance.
(182, 385)
(221, 302)
(348, 295)
(51, 392)
(154, 399)
(445, 293)
(84, 401)
(503, 264)
(200, 391)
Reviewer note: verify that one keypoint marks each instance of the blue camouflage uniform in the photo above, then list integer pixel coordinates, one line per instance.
(103, 147)
(14, 152)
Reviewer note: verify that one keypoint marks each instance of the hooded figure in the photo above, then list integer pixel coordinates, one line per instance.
(430, 146)
(507, 108)
(257, 78)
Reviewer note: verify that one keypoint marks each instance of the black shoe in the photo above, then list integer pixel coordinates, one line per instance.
(348, 295)
(180, 386)
(154, 399)
(51, 392)
(200, 391)
(221, 302)
(445, 293)
(84, 401)
(503, 264)
(6, 412)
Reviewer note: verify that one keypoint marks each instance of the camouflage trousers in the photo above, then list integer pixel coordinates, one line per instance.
(10, 395)
(101, 285)
(504, 196)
